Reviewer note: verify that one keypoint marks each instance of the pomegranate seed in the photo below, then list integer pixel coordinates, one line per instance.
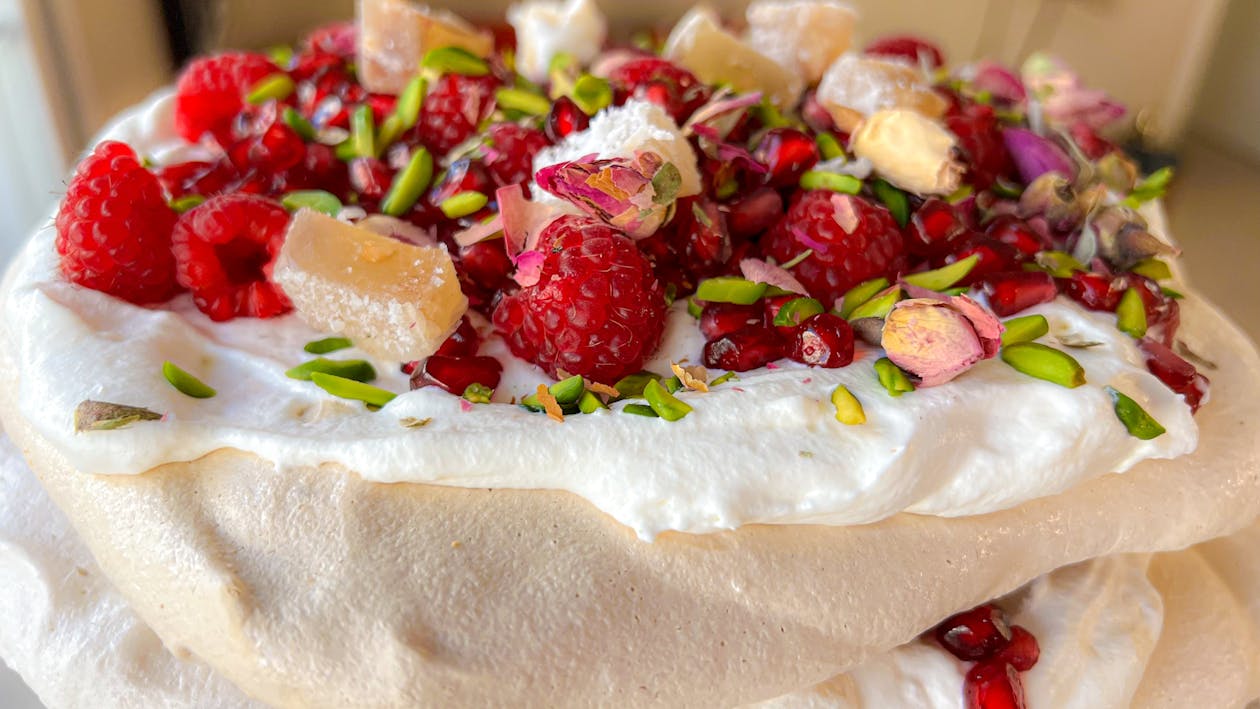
(1163, 313)
(1012, 291)
(824, 340)
(747, 348)
(565, 118)
(370, 178)
(994, 685)
(1014, 231)
(912, 49)
(461, 343)
(977, 634)
(753, 213)
(1094, 291)
(1176, 373)
(455, 374)
(1023, 652)
(486, 264)
(994, 257)
(933, 229)
(787, 153)
(720, 319)
(698, 235)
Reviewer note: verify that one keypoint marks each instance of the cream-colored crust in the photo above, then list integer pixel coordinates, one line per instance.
(311, 587)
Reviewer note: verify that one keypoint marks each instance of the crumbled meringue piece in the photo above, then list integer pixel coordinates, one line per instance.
(622, 132)
(699, 43)
(804, 36)
(394, 36)
(545, 29)
(855, 87)
(911, 151)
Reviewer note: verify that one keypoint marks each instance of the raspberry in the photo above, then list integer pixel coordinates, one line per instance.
(597, 309)
(452, 109)
(114, 228)
(512, 149)
(662, 82)
(224, 253)
(841, 257)
(212, 90)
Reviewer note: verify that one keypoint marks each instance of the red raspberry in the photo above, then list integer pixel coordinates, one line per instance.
(597, 309)
(452, 109)
(662, 82)
(114, 228)
(852, 240)
(212, 90)
(224, 252)
(512, 149)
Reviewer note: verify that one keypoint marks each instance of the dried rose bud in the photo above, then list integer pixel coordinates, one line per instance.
(1119, 236)
(1117, 172)
(630, 194)
(1064, 207)
(1064, 101)
(935, 339)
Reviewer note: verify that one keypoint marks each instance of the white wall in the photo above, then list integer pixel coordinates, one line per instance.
(1228, 111)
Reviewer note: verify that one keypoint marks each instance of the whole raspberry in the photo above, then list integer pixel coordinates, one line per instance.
(597, 309)
(452, 109)
(512, 147)
(212, 90)
(850, 241)
(114, 228)
(660, 81)
(224, 252)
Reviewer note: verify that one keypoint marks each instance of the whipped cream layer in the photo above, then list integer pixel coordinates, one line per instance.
(763, 449)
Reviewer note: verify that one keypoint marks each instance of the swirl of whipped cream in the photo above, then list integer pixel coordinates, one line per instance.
(763, 449)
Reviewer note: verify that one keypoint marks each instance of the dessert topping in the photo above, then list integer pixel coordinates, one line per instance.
(849, 410)
(186, 383)
(104, 416)
(1044, 362)
(1136, 421)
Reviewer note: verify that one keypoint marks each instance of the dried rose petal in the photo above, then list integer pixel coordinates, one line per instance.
(936, 339)
(1035, 155)
(760, 271)
(630, 194)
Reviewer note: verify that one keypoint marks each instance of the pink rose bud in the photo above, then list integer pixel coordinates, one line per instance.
(629, 194)
(936, 339)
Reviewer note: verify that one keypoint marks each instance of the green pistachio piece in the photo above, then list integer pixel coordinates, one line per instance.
(849, 410)
(1059, 264)
(186, 383)
(828, 147)
(1043, 362)
(665, 404)
(350, 389)
(363, 132)
(526, 102)
(894, 381)
(357, 369)
(568, 391)
(640, 410)
(463, 204)
(409, 184)
(694, 308)
(879, 306)
(728, 377)
(1151, 188)
(592, 94)
(729, 289)
(1153, 269)
(319, 200)
(796, 311)
(187, 203)
(631, 386)
(859, 294)
(1135, 419)
(1131, 314)
(941, 278)
(833, 181)
(478, 393)
(454, 60)
(275, 87)
(590, 403)
(406, 113)
(328, 344)
(1024, 329)
(896, 201)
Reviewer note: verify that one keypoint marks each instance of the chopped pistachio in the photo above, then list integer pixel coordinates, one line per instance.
(694, 308)
(1135, 419)
(406, 112)
(298, 123)
(103, 416)
(665, 404)
(526, 102)
(640, 410)
(896, 200)
(631, 386)
(1024, 329)
(569, 390)
(1059, 264)
(328, 344)
(187, 203)
(728, 377)
(409, 184)
(592, 94)
(463, 204)
(833, 181)
(590, 403)
(454, 60)
(849, 410)
(1150, 188)
(275, 87)
(859, 294)
(1153, 268)
(363, 132)
(941, 278)
(186, 383)
(729, 289)
(1046, 363)
(796, 311)
(879, 306)
(828, 147)
(319, 200)
(350, 389)
(894, 381)
(1131, 314)
(356, 369)
(478, 393)
(672, 385)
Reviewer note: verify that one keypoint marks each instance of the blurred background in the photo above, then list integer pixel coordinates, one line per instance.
(1188, 69)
